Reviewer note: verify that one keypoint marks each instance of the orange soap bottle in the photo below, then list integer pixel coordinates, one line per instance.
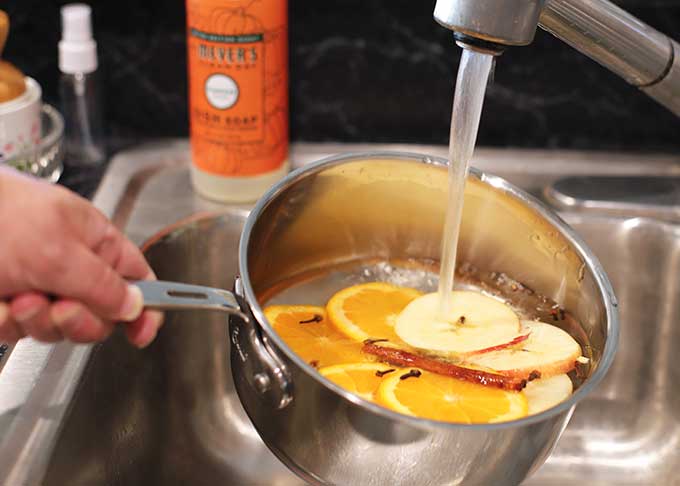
(238, 96)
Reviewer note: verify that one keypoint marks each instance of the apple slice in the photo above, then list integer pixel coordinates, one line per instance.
(476, 322)
(548, 350)
(547, 392)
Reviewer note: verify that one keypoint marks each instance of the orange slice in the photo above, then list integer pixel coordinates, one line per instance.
(361, 379)
(306, 330)
(369, 311)
(446, 399)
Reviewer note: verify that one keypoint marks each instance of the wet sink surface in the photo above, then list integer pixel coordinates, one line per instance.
(169, 415)
(628, 430)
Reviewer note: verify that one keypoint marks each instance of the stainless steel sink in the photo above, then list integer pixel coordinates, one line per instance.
(628, 431)
(168, 415)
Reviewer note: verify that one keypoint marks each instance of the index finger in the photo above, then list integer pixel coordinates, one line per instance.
(89, 279)
(99, 234)
(123, 255)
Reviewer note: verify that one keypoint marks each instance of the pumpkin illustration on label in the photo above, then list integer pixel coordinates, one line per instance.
(238, 86)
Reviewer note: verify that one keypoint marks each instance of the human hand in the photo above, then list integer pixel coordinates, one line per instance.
(64, 268)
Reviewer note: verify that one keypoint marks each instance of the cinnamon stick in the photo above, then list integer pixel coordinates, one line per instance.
(398, 357)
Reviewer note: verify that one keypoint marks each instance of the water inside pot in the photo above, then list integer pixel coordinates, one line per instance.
(317, 287)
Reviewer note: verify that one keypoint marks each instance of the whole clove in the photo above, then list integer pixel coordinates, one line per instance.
(382, 373)
(314, 363)
(534, 375)
(399, 357)
(461, 320)
(411, 374)
(315, 318)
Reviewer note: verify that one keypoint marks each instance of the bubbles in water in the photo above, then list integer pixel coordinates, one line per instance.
(318, 289)
(419, 278)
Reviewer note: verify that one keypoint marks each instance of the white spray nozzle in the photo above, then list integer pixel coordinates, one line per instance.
(75, 22)
(77, 48)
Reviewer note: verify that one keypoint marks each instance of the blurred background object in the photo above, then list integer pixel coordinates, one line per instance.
(30, 132)
(12, 84)
(377, 71)
(79, 88)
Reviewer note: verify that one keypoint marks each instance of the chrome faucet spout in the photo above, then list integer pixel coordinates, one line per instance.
(641, 55)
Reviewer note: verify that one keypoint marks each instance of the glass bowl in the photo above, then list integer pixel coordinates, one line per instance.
(46, 161)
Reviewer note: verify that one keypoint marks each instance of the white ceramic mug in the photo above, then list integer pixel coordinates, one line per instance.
(20, 124)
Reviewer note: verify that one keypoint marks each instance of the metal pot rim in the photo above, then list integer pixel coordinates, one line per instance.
(603, 284)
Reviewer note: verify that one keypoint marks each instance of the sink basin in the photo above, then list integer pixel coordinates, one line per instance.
(169, 415)
(627, 432)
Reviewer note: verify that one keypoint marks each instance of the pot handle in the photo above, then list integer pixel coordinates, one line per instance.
(265, 372)
(257, 363)
(177, 296)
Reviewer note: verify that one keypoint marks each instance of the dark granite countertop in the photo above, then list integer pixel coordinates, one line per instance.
(378, 71)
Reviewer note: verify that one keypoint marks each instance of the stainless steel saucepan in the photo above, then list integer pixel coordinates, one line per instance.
(390, 207)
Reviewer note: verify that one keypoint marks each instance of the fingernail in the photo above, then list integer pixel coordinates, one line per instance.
(61, 314)
(150, 276)
(153, 320)
(27, 314)
(146, 340)
(133, 305)
(156, 318)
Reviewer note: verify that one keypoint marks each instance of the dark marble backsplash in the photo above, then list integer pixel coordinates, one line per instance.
(361, 71)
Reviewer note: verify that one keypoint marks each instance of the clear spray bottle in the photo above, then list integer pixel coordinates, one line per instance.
(80, 101)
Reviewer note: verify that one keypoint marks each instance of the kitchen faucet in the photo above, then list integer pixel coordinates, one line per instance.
(641, 55)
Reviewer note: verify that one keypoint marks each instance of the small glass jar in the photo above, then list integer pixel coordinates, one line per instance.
(47, 160)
